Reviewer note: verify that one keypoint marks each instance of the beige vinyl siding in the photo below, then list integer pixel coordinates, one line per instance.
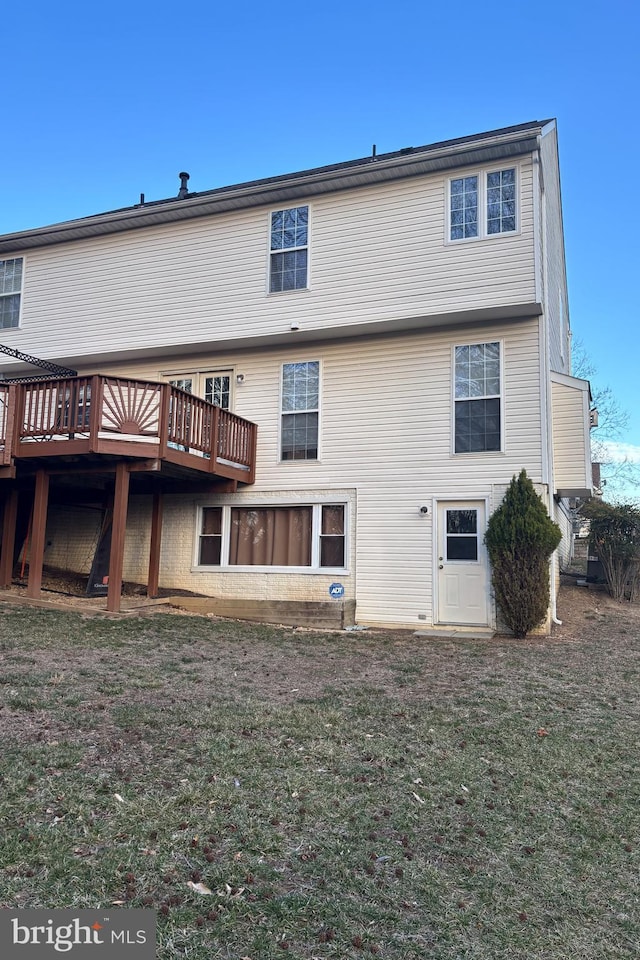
(565, 550)
(386, 445)
(571, 448)
(556, 299)
(377, 254)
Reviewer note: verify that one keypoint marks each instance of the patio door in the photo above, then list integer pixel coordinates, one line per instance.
(213, 387)
(462, 568)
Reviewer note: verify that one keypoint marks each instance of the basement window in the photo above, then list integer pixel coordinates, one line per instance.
(300, 536)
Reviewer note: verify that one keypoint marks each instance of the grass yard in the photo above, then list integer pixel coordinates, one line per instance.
(272, 792)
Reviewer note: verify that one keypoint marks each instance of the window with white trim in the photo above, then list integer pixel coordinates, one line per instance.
(501, 201)
(217, 389)
(463, 200)
(289, 246)
(305, 536)
(10, 292)
(483, 204)
(213, 387)
(477, 398)
(462, 535)
(300, 410)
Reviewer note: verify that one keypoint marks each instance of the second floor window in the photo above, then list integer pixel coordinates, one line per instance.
(464, 208)
(483, 205)
(288, 266)
(10, 292)
(501, 201)
(300, 409)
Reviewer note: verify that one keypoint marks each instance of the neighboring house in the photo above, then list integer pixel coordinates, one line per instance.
(393, 330)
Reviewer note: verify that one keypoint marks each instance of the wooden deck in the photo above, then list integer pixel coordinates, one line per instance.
(113, 417)
(78, 433)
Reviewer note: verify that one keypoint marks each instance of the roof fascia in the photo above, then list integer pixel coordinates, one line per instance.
(277, 190)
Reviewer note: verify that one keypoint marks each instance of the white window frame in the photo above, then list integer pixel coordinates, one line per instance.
(454, 399)
(270, 251)
(15, 293)
(284, 413)
(198, 379)
(316, 505)
(483, 175)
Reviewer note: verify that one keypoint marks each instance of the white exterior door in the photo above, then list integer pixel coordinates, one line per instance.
(462, 566)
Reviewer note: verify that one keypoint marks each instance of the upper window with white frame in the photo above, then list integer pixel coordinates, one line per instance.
(483, 204)
(289, 246)
(300, 410)
(477, 419)
(10, 292)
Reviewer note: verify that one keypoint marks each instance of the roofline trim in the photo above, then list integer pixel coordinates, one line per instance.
(417, 161)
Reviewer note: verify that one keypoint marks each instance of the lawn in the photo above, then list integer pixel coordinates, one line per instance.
(274, 792)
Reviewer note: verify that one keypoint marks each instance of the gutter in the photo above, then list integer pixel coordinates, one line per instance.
(410, 162)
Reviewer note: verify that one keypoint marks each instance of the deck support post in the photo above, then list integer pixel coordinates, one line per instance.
(7, 552)
(116, 556)
(38, 533)
(154, 547)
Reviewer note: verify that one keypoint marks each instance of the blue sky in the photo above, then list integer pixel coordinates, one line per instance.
(104, 102)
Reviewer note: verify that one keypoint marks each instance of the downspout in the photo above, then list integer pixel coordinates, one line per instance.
(546, 446)
(554, 593)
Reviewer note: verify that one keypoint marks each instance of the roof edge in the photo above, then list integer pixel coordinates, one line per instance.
(410, 161)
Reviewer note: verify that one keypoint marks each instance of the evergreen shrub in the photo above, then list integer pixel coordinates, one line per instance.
(520, 539)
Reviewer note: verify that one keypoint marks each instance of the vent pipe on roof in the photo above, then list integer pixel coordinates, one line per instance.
(184, 190)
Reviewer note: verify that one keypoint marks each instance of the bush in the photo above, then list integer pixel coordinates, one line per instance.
(615, 537)
(520, 539)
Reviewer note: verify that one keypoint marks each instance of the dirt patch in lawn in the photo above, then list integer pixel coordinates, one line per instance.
(590, 612)
(66, 589)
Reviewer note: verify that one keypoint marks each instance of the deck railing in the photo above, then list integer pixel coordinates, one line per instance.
(5, 424)
(198, 426)
(39, 418)
(52, 409)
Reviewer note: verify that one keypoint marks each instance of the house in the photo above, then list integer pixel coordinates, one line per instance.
(305, 394)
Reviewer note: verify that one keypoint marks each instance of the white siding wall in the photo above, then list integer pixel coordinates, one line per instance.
(571, 450)
(565, 551)
(377, 254)
(386, 445)
(555, 293)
